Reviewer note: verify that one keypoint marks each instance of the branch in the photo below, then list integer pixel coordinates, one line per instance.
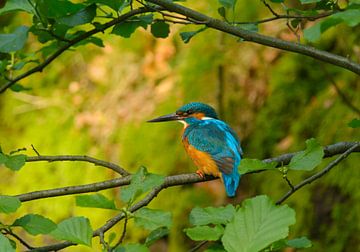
(69, 190)
(319, 174)
(330, 150)
(175, 180)
(74, 41)
(259, 38)
(88, 159)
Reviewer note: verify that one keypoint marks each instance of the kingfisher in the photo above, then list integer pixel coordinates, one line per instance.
(212, 145)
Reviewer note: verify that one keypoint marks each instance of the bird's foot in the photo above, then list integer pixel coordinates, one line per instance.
(200, 173)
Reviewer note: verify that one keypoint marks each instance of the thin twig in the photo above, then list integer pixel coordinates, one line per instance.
(319, 174)
(269, 7)
(103, 242)
(83, 158)
(23, 242)
(37, 153)
(343, 97)
(198, 246)
(123, 232)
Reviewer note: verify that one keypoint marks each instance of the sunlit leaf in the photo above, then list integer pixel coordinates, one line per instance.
(309, 158)
(9, 204)
(211, 215)
(35, 224)
(204, 233)
(95, 200)
(257, 224)
(15, 162)
(141, 182)
(74, 229)
(132, 248)
(5, 244)
(247, 165)
(152, 219)
(15, 41)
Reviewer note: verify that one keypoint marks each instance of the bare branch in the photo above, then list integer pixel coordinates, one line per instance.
(69, 190)
(319, 174)
(259, 38)
(82, 158)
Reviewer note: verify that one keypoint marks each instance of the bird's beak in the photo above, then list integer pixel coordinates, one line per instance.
(165, 118)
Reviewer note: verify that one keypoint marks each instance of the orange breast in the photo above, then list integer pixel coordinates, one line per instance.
(202, 160)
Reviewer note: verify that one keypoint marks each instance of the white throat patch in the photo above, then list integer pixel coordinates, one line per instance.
(207, 118)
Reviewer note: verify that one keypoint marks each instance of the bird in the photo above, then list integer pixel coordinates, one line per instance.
(212, 145)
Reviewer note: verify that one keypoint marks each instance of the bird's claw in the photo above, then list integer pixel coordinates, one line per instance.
(201, 175)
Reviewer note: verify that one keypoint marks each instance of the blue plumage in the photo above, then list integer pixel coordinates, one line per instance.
(218, 140)
(211, 143)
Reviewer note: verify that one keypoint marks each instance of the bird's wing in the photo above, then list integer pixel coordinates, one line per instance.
(217, 139)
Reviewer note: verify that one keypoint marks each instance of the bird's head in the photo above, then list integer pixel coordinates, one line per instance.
(188, 113)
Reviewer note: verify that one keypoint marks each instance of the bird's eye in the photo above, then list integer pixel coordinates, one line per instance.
(189, 112)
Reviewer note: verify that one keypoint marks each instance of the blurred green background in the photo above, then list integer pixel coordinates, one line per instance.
(95, 101)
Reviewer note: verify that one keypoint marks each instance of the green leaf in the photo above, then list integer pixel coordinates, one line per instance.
(155, 235)
(15, 41)
(222, 12)
(16, 5)
(257, 224)
(211, 215)
(228, 3)
(58, 8)
(116, 5)
(141, 182)
(186, 36)
(302, 242)
(151, 219)
(9, 204)
(18, 88)
(160, 29)
(204, 233)
(216, 247)
(309, 158)
(15, 162)
(309, 1)
(355, 123)
(5, 244)
(125, 29)
(132, 248)
(249, 27)
(83, 16)
(95, 200)
(35, 224)
(247, 165)
(350, 16)
(74, 229)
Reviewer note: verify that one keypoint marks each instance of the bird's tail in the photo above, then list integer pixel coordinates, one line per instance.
(231, 182)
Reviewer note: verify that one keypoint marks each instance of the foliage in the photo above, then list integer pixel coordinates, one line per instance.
(291, 107)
